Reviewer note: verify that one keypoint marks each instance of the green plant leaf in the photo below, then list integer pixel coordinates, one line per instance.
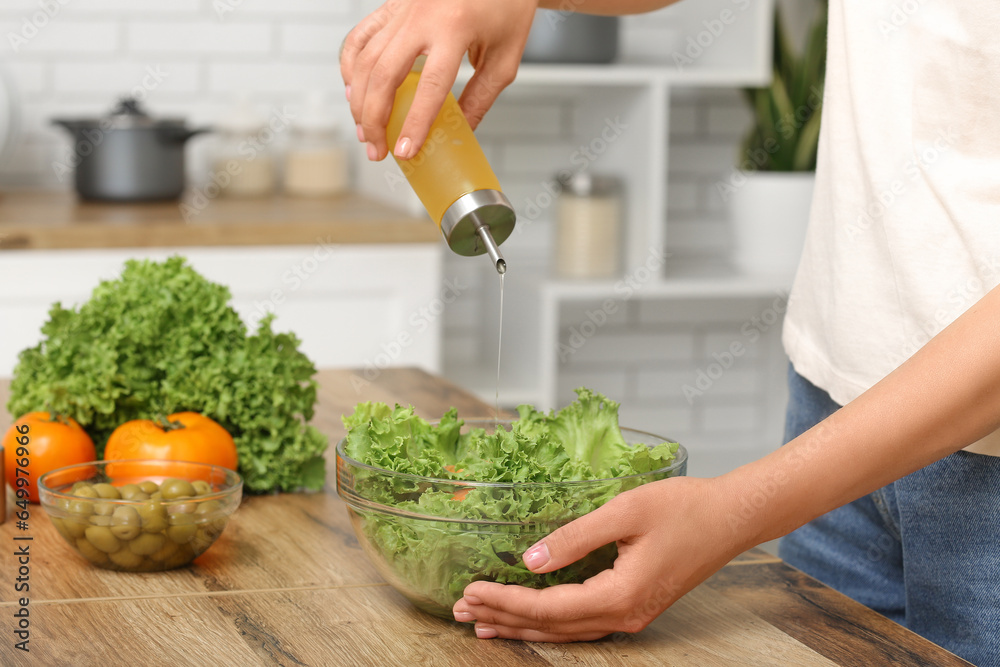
(784, 56)
(808, 146)
(785, 110)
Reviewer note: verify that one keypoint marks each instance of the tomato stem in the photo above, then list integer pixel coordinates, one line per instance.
(56, 417)
(168, 424)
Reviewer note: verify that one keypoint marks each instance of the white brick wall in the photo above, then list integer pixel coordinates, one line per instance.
(670, 364)
(92, 51)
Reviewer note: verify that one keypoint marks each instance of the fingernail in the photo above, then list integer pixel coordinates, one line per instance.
(472, 599)
(372, 152)
(361, 133)
(464, 617)
(536, 556)
(484, 632)
(347, 92)
(402, 150)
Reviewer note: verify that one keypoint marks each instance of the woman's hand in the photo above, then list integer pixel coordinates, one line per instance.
(671, 536)
(380, 51)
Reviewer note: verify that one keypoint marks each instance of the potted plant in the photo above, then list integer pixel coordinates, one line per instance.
(770, 192)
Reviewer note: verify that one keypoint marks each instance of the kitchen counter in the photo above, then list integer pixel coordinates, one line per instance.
(57, 220)
(287, 583)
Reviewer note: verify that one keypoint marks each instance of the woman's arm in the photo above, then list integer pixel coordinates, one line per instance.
(379, 51)
(606, 7)
(675, 533)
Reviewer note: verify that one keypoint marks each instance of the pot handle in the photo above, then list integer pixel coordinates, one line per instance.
(181, 134)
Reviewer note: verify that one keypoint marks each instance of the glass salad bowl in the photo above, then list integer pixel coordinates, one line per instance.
(430, 537)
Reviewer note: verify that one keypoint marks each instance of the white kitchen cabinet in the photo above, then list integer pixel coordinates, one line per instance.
(366, 306)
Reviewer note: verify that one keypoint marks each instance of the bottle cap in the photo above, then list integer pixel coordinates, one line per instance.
(480, 208)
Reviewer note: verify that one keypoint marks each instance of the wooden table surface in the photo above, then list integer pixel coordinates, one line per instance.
(58, 220)
(288, 584)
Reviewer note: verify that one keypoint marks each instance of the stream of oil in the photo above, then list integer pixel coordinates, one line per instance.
(499, 351)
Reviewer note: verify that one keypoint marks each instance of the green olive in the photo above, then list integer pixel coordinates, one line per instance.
(59, 524)
(174, 509)
(74, 528)
(208, 507)
(103, 509)
(148, 565)
(149, 487)
(181, 513)
(100, 520)
(103, 539)
(201, 543)
(166, 551)
(105, 490)
(201, 487)
(183, 556)
(153, 517)
(126, 523)
(90, 552)
(77, 485)
(125, 559)
(147, 544)
(176, 488)
(156, 496)
(182, 534)
(129, 491)
(86, 491)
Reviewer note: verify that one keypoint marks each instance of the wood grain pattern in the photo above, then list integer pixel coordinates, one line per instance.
(373, 625)
(34, 221)
(818, 616)
(288, 584)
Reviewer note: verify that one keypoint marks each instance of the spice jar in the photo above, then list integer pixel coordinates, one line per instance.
(243, 165)
(316, 164)
(588, 227)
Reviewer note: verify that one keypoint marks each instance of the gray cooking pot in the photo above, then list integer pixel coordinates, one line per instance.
(128, 156)
(568, 37)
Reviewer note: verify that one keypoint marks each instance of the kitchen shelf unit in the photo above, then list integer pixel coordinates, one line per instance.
(634, 92)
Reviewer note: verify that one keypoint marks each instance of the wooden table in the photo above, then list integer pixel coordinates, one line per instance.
(288, 584)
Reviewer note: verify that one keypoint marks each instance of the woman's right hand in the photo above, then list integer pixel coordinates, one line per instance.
(379, 52)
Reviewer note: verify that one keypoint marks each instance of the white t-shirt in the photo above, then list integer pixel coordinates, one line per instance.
(904, 234)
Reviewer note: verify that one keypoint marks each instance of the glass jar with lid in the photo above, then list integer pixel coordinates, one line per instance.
(316, 163)
(588, 226)
(244, 163)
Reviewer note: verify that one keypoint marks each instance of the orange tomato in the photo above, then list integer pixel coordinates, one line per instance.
(39, 442)
(184, 436)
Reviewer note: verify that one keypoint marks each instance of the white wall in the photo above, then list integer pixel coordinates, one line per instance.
(91, 51)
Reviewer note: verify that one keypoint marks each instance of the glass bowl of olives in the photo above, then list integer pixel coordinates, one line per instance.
(140, 515)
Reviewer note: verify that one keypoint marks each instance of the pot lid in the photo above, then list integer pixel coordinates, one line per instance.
(128, 113)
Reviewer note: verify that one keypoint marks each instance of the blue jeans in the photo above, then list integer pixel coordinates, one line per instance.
(923, 551)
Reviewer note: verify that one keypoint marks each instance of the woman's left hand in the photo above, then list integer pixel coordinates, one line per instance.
(671, 535)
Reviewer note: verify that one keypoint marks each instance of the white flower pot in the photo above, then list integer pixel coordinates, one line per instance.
(769, 214)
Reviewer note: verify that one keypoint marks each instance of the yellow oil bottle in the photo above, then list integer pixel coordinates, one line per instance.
(453, 179)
